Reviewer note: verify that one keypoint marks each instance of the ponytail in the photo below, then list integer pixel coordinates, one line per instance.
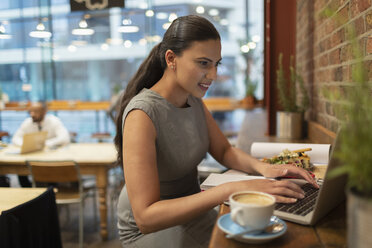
(149, 72)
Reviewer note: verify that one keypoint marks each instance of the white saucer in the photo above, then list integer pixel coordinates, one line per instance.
(228, 226)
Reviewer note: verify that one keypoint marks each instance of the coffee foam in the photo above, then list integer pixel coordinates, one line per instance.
(253, 199)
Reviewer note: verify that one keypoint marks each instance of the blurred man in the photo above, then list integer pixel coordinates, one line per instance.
(40, 121)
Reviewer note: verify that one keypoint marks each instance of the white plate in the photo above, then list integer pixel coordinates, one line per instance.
(227, 225)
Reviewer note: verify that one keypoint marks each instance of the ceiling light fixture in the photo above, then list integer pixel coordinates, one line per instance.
(172, 17)
(149, 13)
(40, 32)
(72, 48)
(166, 25)
(256, 38)
(79, 43)
(161, 15)
(244, 49)
(127, 43)
(142, 42)
(200, 9)
(114, 41)
(251, 45)
(224, 22)
(3, 33)
(83, 29)
(104, 47)
(127, 27)
(213, 12)
(156, 38)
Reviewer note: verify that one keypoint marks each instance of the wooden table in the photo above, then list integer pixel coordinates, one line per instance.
(330, 231)
(12, 197)
(226, 104)
(93, 158)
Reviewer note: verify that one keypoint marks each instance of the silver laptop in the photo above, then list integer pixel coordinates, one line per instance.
(33, 142)
(317, 202)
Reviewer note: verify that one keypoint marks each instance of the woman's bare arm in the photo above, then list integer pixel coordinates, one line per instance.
(142, 182)
(235, 158)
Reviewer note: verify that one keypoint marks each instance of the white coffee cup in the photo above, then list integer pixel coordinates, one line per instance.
(251, 209)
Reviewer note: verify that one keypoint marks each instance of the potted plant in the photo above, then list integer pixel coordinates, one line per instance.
(290, 119)
(247, 48)
(354, 110)
(250, 99)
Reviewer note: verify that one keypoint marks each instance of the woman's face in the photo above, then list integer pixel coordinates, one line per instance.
(196, 68)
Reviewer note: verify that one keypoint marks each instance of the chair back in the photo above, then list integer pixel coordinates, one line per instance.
(54, 171)
(63, 175)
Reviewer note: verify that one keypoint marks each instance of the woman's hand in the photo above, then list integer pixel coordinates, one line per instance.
(287, 170)
(283, 191)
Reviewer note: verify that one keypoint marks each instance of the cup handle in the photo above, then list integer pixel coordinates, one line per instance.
(235, 213)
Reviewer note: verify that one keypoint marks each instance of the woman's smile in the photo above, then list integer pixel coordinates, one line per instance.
(204, 86)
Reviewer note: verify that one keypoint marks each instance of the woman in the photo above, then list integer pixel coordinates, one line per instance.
(164, 131)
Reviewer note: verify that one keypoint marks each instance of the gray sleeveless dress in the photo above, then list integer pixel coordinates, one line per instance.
(182, 142)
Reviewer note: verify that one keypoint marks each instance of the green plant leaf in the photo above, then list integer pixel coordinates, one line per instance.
(287, 90)
(354, 110)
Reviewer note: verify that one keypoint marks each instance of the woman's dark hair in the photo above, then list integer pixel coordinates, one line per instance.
(179, 37)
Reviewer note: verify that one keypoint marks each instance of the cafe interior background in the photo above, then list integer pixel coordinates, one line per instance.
(90, 55)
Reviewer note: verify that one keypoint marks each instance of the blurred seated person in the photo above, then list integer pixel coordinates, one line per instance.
(40, 121)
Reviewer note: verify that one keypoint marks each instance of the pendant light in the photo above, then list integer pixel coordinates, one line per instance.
(127, 27)
(40, 32)
(3, 34)
(83, 29)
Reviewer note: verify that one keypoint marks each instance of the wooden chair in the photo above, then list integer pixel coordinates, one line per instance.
(66, 175)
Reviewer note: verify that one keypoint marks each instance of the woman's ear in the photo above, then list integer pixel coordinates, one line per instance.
(170, 59)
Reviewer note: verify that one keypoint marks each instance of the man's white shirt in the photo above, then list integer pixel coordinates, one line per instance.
(57, 133)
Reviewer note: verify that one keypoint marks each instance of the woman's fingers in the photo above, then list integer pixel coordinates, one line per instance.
(289, 189)
(282, 199)
(304, 174)
(284, 191)
(290, 185)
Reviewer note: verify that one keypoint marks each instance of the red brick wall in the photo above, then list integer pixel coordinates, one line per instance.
(323, 53)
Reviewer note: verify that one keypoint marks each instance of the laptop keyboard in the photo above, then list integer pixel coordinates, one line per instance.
(302, 206)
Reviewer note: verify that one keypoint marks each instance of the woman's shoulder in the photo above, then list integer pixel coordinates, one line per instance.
(145, 101)
(146, 98)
